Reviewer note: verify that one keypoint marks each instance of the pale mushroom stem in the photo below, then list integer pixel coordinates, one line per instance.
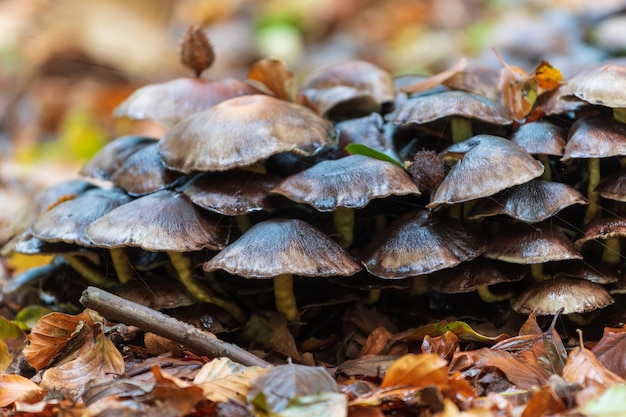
(547, 171)
(85, 269)
(612, 252)
(123, 268)
(419, 285)
(489, 297)
(285, 298)
(592, 195)
(536, 270)
(343, 220)
(183, 267)
(373, 296)
(243, 223)
(461, 129)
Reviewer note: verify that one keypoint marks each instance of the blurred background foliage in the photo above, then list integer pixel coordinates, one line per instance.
(65, 64)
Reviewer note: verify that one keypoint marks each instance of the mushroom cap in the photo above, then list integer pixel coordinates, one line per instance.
(613, 186)
(417, 244)
(602, 85)
(231, 193)
(602, 228)
(428, 108)
(595, 272)
(541, 138)
(595, 137)
(283, 246)
(352, 182)
(525, 244)
(488, 164)
(162, 221)
(531, 202)
(67, 222)
(170, 102)
(143, 172)
(471, 275)
(367, 84)
(241, 131)
(111, 157)
(573, 295)
(367, 130)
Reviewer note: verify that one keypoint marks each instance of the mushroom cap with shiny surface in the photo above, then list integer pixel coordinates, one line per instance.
(613, 186)
(595, 137)
(418, 243)
(603, 85)
(283, 246)
(241, 131)
(487, 164)
(159, 222)
(469, 276)
(602, 228)
(351, 182)
(111, 157)
(541, 137)
(573, 295)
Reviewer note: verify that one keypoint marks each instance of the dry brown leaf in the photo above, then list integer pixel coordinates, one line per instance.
(174, 396)
(158, 345)
(417, 370)
(523, 372)
(5, 357)
(582, 366)
(377, 343)
(451, 410)
(223, 380)
(544, 401)
(96, 358)
(274, 75)
(437, 79)
(444, 346)
(17, 388)
(611, 352)
(54, 335)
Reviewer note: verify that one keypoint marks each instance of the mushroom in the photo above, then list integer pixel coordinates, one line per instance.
(609, 229)
(166, 221)
(241, 131)
(613, 186)
(345, 184)
(485, 164)
(67, 222)
(369, 131)
(170, 102)
(543, 139)
(459, 106)
(534, 245)
(572, 295)
(349, 88)
(531, 202)
(279, 249)
(111, 157)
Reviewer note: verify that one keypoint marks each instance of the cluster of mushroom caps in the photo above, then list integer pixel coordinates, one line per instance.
(254, 179)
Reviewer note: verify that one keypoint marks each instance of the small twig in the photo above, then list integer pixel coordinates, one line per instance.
(117, 308)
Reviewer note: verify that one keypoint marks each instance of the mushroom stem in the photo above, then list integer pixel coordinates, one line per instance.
(461, 129)
(243, 223)
(592, 195)
(612, 252)
(619, 114)
(547, 170)
(343, 220)
(536, 270)
(183, 267)
(284, 297)
(373, 296)
(489, 297)
(123, 268)
(419, 284)
(85, 269)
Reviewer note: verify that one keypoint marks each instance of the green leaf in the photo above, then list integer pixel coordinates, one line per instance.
(28, 316)
(610, 404)
(360, 149)
(11, 334)
(462, 330)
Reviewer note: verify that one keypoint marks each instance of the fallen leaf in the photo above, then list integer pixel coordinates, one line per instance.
(582, 365)
(418, 370)
(611, 352)
(274, 76)
(11, 334)
(610, 404)
(463, 330)
(372, 366)
(377, 343)
(437, 79)
(444, 346)
(521, 372)
(223, 380)
(158, 345)
(17, 388)
(544, 401)
(5, 357)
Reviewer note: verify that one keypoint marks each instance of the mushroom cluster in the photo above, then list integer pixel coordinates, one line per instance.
(472, 180)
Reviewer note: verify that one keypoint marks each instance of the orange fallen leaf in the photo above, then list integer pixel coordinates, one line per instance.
(436, 79)
(418, 370)
(543, 402)
(17, 388)
(274, 76)
(582, 365)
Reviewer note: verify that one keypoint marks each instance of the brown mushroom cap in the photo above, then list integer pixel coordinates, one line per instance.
(351, 182)
(367, 130)
(281, 246)
(433, 107)
(170, 102)
(541, 138)
(573, 295)
(602, 228)
(111, 157)
(603, 86)
(613, 186)
(535, 244)
(488, 164)
(469, 276)
(363, 84)
(231, 193)
(143, 172)
(531, 202)
(241, 131)
(162, 221)
(595, 272)
(67, 222)
(417, 244)
(595, 137)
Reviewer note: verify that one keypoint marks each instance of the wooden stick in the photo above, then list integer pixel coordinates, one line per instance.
(119, 309)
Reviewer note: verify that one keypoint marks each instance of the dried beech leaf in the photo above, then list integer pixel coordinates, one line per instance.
(17, 388)
(373, 366)
(436, 79)
(611, 352)
(377, 343)
(5, 357)
(174, 396)
(52, 335)
(416, 370)
(582, 366)
(443, 346)
(158, 345)
(96, 358)
(611, 403)
(545, 401)
(274, 75)
(223, 380)
(524, 372)
(277, 388)
(11, 334)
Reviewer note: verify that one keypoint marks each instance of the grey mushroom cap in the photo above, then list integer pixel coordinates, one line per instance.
(113, 155)
(241, 131)
(418, 244)
(541, 137)
(159, 222)
(351, 182)
(283, 246)
(603, 85)
(595, 137)
(573, 295)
